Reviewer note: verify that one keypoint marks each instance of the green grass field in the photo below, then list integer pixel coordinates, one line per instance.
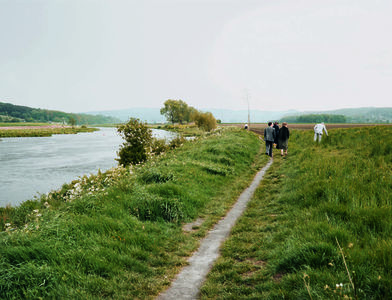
(319, 225)
(119, 234)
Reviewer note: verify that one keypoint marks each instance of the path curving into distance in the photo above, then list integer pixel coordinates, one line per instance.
(188, 282)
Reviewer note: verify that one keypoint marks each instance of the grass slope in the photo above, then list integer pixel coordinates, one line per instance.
(319, 226)
(119, 234)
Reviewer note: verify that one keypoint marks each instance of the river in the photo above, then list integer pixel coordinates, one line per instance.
(30, 166)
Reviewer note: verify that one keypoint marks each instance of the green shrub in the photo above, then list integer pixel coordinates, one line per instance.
(205, 121)
(158, 146)
(138, 138)
(177, 142)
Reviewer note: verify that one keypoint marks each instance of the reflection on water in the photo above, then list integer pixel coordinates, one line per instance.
(33, 165)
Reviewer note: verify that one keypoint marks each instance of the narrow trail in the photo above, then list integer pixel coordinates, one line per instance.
(189, 280)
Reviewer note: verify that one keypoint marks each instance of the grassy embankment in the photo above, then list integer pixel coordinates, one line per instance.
(40, 130)
(119, 234)
(311, 203)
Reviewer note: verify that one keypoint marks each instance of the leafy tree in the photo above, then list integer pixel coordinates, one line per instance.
(205, 121)
(138, 139)
(175, 111)
(191, 114)
(72, 121)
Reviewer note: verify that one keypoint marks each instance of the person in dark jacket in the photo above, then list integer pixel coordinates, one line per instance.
(276, 127)
(269, 137)
(283, 138)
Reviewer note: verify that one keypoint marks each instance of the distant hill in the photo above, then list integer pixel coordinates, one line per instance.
(354, 115)
(315, 118)
(149, 115)
(366, 114)
(17, 113)
(153, 115)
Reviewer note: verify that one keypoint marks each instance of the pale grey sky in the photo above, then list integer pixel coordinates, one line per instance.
(88, 55)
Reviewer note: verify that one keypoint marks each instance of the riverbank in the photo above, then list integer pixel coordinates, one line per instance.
(41, 130)
(119, 234)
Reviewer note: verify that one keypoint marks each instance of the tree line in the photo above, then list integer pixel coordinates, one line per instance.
(17, 113)
(316, 118)
(178, 111)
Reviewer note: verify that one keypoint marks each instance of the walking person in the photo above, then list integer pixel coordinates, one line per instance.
(269, 137)
(283, 138)
(276, 127)
(318, 131)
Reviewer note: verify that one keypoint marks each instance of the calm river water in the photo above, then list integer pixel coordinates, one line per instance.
(32, 166)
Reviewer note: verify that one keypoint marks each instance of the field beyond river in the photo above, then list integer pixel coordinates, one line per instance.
(318, 227)
(39, 129)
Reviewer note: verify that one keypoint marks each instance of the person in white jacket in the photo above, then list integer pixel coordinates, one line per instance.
(318, 131)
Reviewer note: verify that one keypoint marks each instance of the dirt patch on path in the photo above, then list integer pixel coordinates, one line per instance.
(193, 226)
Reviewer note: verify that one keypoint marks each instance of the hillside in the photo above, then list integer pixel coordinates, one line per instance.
(150, 115)
(153, 115)
(350, 115)
(16, 113)
(367, 114)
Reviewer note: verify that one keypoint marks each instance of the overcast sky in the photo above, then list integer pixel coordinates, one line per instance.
(88, 55)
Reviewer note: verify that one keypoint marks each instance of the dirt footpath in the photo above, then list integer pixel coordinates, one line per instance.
(190, 279)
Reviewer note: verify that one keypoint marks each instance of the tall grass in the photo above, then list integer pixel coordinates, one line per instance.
(119, 234)
(319, 226)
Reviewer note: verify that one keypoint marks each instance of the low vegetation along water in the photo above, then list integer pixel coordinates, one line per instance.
(318, 227)
(34, 165)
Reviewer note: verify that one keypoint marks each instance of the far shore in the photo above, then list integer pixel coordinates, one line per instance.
(35, 127)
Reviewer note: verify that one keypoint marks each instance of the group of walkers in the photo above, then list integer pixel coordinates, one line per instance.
(275, 136)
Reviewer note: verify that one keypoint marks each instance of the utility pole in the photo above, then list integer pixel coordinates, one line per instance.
(247, 101)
